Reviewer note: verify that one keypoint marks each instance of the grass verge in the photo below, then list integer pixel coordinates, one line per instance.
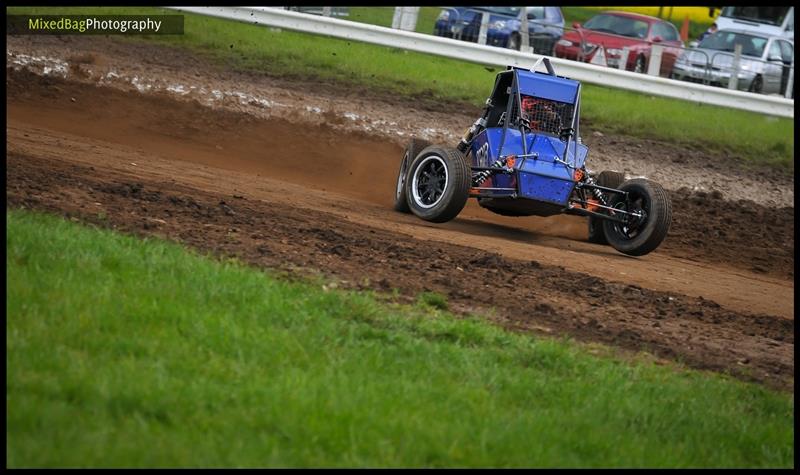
(761, 139)
(128, 352)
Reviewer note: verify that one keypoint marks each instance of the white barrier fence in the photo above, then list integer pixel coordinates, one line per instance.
(476, 53)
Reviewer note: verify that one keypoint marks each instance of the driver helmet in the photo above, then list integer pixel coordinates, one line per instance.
(539, 113)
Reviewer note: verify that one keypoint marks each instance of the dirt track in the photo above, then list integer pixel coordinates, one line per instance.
(718, 294)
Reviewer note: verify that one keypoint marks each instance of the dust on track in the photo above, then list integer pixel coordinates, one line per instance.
(155, 166)
(190, 75)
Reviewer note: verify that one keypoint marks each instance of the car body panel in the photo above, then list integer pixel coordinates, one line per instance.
(464, 23)
(552, 88)
(714, 66)
(614, 43)
(540, 178)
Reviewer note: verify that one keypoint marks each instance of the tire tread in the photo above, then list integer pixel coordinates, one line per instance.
(662, 210)
(461, 180)
(414, 147)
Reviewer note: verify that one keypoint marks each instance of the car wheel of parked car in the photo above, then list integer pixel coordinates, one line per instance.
(438, 182)
(414, 146)
(610, 179)
(640, 64)
(638, 236)
(757, 85)
(550, 49)
(514, 42)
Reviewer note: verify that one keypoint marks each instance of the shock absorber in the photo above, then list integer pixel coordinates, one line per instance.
(597, 193)
(463, 145)
(482, 175)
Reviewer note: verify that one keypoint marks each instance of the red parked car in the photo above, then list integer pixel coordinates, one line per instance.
(616, 30)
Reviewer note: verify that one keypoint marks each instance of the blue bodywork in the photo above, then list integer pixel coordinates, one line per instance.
(537, 176)
(544, 86)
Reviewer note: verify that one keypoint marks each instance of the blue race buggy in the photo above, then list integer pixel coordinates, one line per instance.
(524, 157)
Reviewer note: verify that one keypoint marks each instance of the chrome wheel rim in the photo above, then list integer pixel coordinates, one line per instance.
(430, 182)
(639, 66)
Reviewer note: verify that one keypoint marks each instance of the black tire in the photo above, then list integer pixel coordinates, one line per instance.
(551, 47)
(438, 182)
(514, 42)
(611, 179)
(757, 85)
(413, 148)
(640, 65)
(638, 239)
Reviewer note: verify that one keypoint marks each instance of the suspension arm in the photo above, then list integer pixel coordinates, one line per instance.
(603, 188)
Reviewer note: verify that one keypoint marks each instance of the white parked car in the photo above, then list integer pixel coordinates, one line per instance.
(764, 65)
(772, 21)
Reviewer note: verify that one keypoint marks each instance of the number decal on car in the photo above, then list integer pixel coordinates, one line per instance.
(483, 155)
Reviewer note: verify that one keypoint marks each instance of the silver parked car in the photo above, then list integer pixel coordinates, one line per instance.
(763, 66)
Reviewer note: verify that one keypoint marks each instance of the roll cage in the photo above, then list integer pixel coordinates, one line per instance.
(504, 105)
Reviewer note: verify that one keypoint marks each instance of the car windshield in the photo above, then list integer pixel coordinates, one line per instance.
(536, 13)
(618, 25)
(767, 15)
(727, 40)
(510, 11)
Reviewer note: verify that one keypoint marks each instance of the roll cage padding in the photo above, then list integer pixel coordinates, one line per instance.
(499, 98)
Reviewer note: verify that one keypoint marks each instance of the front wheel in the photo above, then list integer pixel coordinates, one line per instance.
(640, 64)
(757, 85)
(438, 184)
(414, 146)
(643, 233)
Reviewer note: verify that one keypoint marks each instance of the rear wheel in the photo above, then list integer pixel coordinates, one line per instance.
(640, 235)
(610, 179)
(413, 148)
(550, 47)
(757, 85)
(438, 182)
(640, 64)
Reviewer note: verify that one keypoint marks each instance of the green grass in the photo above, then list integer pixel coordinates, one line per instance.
(433, 299)
(382, 16)
(128, 352)
(761, 139)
